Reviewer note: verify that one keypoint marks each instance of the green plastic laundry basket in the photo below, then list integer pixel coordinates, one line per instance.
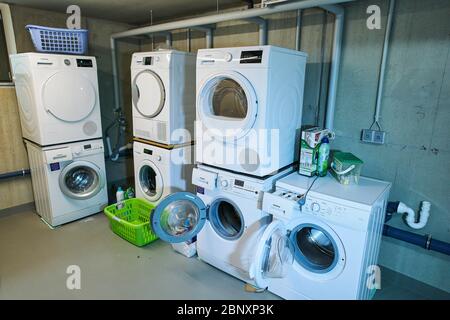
(132, 222)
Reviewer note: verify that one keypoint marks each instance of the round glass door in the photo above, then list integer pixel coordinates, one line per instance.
(150, 181)
(229, 99)
(226, 219)
(81, 180)
(148, 93)
(69, 97)
(317, 249)
(227, 104)
(178, 217)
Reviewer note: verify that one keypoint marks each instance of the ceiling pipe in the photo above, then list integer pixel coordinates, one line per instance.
(209, 33)
(262, 23)
(338, 11)
(298, 29)
(228, 16)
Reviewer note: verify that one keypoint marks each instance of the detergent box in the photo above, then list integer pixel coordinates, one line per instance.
(309, 150)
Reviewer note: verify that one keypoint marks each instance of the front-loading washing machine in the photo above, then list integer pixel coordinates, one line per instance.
(57, 96)
(69, 180)
(334, 237)
(159, 172)
(163, 94)
(225, 215)
(249, 108)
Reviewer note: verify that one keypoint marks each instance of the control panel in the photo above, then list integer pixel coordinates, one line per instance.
(151, 59)
(251, 56)
(87, 149)
(284, 203)
(242, 187)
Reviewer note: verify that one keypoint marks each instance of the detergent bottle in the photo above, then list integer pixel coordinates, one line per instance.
(120, 197)
(322, 161)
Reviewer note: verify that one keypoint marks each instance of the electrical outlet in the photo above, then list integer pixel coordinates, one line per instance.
(366, 135)
(378, 137)
(373, 136)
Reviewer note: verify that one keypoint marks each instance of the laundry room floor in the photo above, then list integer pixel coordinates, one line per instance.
(34, 262)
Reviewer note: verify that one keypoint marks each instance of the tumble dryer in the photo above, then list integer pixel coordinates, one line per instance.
(225, 215)
(249, 107)
(163, 94)
(335, 238)
(69, 180)
(58, 97)
(159, 172)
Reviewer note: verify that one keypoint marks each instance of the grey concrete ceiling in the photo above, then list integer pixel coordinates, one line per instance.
(132, 11)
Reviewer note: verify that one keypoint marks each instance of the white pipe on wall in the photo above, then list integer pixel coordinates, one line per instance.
(228, 16)
(383, 60)
(242, 15)
(424, 214)
(335, 63)
(298, 30)
(208, 30)
(262, 23)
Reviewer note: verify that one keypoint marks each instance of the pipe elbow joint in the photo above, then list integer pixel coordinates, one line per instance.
(424, 215)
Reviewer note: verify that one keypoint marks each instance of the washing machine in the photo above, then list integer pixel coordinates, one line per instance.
(249, 108)
(58, 97)
(163, 94)
(69, 180)
(159, 172)
(334, 239)
(225, 215)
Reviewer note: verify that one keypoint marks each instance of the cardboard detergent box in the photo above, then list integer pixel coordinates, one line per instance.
(309, 150)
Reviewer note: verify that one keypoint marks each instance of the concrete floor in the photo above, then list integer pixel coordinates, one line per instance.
(34, 260)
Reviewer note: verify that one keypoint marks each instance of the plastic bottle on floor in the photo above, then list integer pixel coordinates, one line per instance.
(120, 197)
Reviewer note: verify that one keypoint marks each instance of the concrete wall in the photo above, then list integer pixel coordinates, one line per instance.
(415, 114)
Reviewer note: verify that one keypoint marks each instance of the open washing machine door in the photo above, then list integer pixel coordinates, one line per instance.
(69, 96)
(227, 105)
(150, 181)
(274, 255)
(148, 93)
(178, 217)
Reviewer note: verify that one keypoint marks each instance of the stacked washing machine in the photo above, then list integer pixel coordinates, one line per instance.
(61, 126)
(249, 110)
(163, 98)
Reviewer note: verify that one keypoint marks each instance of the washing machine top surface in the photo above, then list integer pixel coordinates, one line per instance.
(366, 192)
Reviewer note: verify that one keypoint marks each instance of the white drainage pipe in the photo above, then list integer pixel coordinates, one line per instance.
(424, 214)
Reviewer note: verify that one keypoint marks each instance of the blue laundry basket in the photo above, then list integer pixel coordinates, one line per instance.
(58, 40)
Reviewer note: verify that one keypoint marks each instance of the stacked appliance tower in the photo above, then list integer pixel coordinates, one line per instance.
(61, 125)
(249, 109)
(163, 98)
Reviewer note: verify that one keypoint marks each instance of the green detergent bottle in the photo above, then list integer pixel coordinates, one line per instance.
(324, 154)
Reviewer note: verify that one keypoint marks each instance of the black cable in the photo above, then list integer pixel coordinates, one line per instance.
(302, 200)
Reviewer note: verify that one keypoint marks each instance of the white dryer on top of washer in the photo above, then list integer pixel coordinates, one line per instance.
(69, 180)
(58, 97)
(163, 91)
(335, 238)
(225, 215)
(159, 172)
(249, 107)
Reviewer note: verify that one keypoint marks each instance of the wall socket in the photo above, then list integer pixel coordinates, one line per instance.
(373, 136)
